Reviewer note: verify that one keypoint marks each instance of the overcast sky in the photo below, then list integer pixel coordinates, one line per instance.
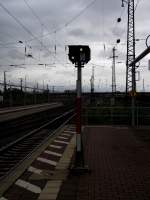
(45, 27)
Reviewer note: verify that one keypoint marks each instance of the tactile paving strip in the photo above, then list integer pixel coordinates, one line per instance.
(33, 181)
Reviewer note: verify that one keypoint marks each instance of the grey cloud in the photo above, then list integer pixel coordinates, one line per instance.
(77, 32)
(15, 54)
(66, 73)
(95, 25)
(117, 31)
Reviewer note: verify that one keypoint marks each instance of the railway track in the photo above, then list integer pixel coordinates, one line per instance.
(16, 152)
(13, 129)
(4, 111)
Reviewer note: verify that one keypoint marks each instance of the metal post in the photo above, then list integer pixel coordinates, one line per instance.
(43, 93)
(133, 95)
(34, 93)
(79, 55)
(92, 85)
(47, 93)
(79, 166)
(10, 95)
(130, 70)
(133, 74)
(112, 100)
(5, 88)
(21, 81)
(133, 110)
(130, 77)
(114, 72)
(53, 89)
(139, 57)
(143, 85)
(78, 110)
(133, 64)
(25, 90)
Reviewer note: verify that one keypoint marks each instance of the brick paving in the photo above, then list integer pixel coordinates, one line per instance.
(120, 167)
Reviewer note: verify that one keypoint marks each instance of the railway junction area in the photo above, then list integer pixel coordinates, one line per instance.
(38, 156)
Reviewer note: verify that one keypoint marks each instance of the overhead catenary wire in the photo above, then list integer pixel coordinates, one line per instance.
(25, 28)
(38, 19)
(38, 64)
(103, 30)
(122, 13)
(67, 23)
(8, 35)
(135, 8)
(137, 3)
(21, 24)
(42, 24)
(17, 20)
(64, 25)
(116, 23)
(80, 13)
(35, 15)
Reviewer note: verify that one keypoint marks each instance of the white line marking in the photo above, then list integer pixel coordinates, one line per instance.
(66, 134)
(34, 170)
(62, 142)
(69, 131)
(52, 153)
(3, 198)
(28, 186)
(56, 146)
(64, 138)
(44, 160)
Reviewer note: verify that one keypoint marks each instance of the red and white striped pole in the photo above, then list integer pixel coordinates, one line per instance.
(79, 55)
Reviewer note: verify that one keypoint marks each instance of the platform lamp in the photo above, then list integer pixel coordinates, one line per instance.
(79, 55)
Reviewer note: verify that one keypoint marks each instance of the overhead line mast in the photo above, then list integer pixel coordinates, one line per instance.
(114, 71)
(92, 81)
(130, 70)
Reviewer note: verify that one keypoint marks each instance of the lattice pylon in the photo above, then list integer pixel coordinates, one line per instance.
(130, 70)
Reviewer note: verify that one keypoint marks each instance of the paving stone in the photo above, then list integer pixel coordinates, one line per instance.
(120, 167)
(47, 196)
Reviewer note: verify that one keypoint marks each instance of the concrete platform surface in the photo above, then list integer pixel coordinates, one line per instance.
(16, 112)
(120, 165)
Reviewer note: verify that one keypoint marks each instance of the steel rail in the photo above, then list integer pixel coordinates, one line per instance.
(7, 152)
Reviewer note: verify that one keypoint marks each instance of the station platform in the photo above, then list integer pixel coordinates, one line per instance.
(117, 157)
(40, 175)
(119, 163)
(7, 114)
